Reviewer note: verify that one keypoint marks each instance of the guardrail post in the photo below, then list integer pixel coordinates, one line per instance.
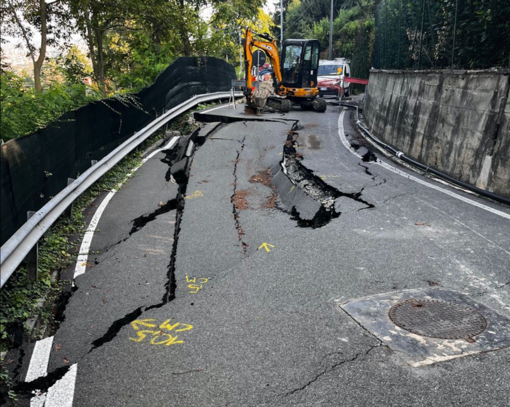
(32, 258)
(69, 211)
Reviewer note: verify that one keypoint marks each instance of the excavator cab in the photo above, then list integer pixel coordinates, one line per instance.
(295, 74)
(300, 62)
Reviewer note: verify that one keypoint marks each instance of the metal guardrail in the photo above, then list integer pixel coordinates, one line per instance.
(14, 251)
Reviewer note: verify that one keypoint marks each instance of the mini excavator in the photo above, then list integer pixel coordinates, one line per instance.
(294, 83)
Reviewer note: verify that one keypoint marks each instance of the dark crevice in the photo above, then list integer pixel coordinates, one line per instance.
(21, 355)
(41, 385)
(61, 305)
(115, 327)
(320, 191)
(366, 169)
(321, 218)
(143, 220)
(235, 211)
(169, 159)
(171, 284)
(368, 157)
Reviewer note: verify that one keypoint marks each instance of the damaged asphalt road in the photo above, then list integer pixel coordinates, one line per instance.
(187, 307)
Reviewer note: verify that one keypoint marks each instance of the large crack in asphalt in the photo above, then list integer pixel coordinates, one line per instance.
(115, 328)
(320, 191)
(143, 220)
(303, 177)
(43, 384)
(40, 385)
(234, 199)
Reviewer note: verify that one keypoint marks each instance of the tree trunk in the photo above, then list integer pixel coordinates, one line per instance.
(185, 42)
(90, 44)
(100, 60)
(38, 63)
(184, 35)
(95, 43)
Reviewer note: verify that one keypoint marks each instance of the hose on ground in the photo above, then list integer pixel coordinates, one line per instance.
(403, 157)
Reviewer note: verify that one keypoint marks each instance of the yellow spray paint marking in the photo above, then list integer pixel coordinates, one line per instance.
(266, 246)
(291, 189)
(160, 336)
(195, 288)
(196, 194)
(142, 322)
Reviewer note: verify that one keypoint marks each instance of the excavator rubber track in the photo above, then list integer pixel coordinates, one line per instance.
(279, 104)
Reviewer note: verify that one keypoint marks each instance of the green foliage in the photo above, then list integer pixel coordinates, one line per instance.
(353, 29)
(75, 66)
(24, 110)
(5, 384)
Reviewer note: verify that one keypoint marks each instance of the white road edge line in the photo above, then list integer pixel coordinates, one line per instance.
(81, 262)
(39, 360)
(61, 394)
(38, 367)
(347, 145)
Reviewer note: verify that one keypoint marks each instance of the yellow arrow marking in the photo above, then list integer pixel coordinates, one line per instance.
(142, 322)
(265, 246)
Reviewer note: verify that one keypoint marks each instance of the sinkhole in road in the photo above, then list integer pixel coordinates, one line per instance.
(315, 188)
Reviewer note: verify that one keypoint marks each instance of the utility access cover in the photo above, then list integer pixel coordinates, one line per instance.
(431, 325)
(438, 319)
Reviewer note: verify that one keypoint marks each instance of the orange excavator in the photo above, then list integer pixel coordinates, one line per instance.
(294, 83)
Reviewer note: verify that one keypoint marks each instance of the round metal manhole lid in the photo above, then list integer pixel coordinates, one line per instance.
(438, 319)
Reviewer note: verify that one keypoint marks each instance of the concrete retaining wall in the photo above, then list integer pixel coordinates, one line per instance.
(456, 122)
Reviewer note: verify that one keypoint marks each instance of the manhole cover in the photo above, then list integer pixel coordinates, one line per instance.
(438, 319)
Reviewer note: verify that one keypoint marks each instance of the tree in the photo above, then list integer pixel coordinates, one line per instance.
(35, 22)
(94, 18)
(75, 66)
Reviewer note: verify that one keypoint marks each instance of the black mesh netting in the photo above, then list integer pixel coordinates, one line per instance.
(36, 167)
(438, 34)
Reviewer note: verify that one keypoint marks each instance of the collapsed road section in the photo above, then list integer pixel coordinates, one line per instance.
(207, 291)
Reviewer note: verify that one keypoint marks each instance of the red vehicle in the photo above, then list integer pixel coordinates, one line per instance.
(331, 77)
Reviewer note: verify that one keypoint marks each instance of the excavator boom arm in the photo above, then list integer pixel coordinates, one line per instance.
(271, 51)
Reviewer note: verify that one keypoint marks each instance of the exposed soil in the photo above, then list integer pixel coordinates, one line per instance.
(264, 178)
(239, 199)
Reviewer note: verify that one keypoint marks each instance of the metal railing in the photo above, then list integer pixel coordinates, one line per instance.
(16, 249)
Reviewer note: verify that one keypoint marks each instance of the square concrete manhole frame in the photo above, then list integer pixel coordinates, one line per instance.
(372, 313)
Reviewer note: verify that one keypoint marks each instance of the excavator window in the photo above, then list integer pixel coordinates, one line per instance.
(291, 64)
(310, 64)
(300, 62)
